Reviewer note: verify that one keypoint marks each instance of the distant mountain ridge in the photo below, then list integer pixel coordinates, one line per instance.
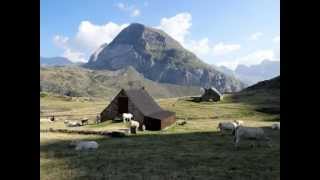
(252, 74)
(54, 61)
(160, 58)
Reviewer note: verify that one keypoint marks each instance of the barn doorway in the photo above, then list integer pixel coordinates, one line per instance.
(123, 105)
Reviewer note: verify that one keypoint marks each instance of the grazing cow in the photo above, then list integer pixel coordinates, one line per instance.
(98, 119)
(251, 133)
(181, 122)
(276, 126)
(226, 126)
(127, 116)
(84, 121)
(143, 127)
(72, 123)
(127, 119)
(239, 122)
(84, 145)
(45, 120)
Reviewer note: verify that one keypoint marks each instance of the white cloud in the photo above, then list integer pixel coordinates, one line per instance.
(200, 47)
(222, 49)
(60, 41)
(88, 38)
(134, 12)
(277, 53)
(91, 36)
(276, 39)
(121, 6)
(255, 36)
(229, 64)
(257, 57)
(74, 56)
(177, 26)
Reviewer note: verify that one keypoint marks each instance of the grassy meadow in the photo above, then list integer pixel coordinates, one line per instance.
(195, 150)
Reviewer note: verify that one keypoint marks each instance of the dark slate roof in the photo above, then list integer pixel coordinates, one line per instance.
(161, 114)
(215, 90)
(143, 101)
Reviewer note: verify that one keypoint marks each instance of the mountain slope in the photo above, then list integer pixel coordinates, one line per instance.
(264, 96)
(160, 58)
(54, 61)
(273, 83)
(76, 81)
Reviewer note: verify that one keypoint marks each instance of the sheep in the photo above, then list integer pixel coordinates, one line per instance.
(84, 145)
(226, 126)
(252, 133)
(276, 126)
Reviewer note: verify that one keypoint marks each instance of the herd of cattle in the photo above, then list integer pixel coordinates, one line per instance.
(237, 129)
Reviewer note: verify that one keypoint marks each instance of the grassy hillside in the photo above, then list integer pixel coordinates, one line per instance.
(264, 96)
(193, 151)
(76, 81)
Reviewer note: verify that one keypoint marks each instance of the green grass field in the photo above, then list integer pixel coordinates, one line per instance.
(195, 150)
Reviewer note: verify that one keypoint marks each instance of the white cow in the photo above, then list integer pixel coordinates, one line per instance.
(276, 126)
(127, 119)
(84, 145)
(46, 120)
(227, 126)
(72, 123)
(127, 116)
(253, 133)
(239, 122)
(98, 119)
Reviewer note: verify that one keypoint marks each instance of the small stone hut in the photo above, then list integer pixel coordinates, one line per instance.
(211, 94)
(143, 107)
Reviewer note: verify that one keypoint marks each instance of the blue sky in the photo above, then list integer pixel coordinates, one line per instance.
(220, 32)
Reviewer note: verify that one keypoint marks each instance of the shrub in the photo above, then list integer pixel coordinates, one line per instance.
(43, 94)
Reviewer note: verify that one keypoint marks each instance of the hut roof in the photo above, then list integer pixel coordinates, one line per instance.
(143, 101)
(215, 90)
(161, 114)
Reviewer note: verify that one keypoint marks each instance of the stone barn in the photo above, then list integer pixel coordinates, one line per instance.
(211, 94)
(143, 107)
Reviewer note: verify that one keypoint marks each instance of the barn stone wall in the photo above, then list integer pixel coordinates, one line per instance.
(168, 121)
